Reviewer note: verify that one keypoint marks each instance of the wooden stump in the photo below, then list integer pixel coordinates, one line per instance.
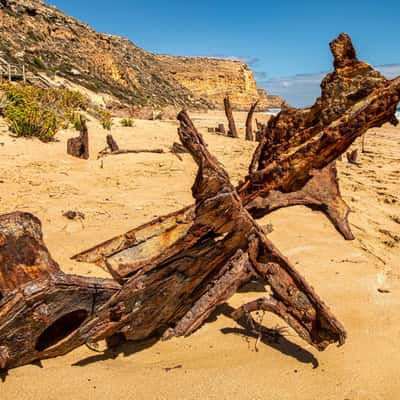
(220, 130)
(79, 146)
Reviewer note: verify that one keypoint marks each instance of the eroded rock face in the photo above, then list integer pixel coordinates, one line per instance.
(45, 39)
(213, 79)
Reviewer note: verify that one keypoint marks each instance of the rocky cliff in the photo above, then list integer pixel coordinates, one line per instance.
(45, 39)
(213, 79)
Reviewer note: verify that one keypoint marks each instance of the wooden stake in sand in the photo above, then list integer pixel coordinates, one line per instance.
(232, 132)
(249, 122)
(79, 146)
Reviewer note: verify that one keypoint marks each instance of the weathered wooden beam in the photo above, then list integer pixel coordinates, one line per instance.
(320, 193)
(232, 131)
(249, 122)
(354, 98)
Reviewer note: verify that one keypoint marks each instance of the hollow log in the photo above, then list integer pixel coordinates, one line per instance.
(249, 122)
(232, 131)
(39, 305)
(79, 146)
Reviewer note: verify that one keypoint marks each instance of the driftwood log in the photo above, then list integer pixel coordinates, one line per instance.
(113, 149)
(168, 290)
(79, 146)
(232, 131)
(171, 273)
(249, 122)
(39, 305)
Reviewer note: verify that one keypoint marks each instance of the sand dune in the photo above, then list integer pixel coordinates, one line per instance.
(360, 280)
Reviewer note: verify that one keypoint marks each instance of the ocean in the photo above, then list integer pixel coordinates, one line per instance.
(275, 111)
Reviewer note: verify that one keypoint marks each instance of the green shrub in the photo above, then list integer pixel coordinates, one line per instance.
(38, 62)
(32, 111)
(76, 121)
(106, 120)
(127, 122)
(29, 119)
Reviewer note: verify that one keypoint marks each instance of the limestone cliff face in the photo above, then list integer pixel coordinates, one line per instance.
(213, 79)
(45, 39)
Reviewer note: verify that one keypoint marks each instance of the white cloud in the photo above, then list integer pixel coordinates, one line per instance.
(390, 70)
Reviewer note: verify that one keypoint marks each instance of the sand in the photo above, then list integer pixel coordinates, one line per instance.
(219, 361)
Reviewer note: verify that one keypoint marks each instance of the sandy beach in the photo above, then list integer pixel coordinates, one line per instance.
(359, 280)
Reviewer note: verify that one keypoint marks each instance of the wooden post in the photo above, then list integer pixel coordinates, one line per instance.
(363, 143)
(9, 72)
(232, 132)
(249, 122)
(79, 146)
(220, 129)
(23, 73)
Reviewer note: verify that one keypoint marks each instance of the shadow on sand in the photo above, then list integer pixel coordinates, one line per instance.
(118, 346)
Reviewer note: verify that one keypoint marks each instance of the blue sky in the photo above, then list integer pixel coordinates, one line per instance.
(278, 39)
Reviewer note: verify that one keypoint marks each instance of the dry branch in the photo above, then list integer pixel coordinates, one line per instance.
(113, 149)
(178, 149)
(320, 193)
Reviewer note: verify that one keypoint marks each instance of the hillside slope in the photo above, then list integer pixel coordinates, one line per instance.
(47, 40)
(44, 38)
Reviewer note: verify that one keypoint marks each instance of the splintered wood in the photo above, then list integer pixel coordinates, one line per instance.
(170, 274)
